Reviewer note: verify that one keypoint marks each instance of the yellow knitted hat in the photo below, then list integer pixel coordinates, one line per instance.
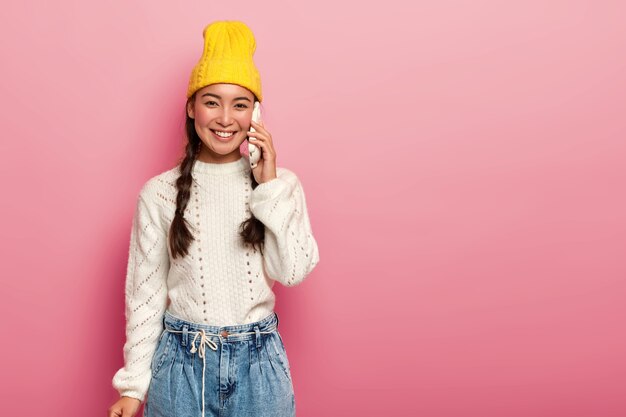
(227, 58)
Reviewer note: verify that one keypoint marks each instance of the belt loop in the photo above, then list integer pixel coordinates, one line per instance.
(277, 321)
(258, 337)
(185, 333)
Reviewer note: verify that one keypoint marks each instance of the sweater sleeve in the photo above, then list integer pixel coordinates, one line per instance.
(290, 250)
(145, 298)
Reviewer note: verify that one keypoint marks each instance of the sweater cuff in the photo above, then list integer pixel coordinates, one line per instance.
(133, 394)
(271, 203)
(270, 189)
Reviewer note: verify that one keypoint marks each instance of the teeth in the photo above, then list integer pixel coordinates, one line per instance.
(223, 134)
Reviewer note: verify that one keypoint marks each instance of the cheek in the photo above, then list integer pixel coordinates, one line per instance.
(244, 123)
(203, 116)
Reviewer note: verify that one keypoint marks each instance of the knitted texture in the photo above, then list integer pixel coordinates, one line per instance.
(227, 57)
(222, 281)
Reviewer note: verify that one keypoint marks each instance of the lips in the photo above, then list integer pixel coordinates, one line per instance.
(221, 139)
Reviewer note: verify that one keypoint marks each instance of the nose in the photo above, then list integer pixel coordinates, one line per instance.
(225, 118)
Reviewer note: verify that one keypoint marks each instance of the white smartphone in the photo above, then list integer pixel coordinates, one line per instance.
(253, 150)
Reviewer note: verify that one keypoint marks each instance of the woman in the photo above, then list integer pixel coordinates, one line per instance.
(209, 239)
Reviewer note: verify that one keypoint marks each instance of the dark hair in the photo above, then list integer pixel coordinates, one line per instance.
(251, 230)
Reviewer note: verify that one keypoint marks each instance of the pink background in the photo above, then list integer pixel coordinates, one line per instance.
(463, 163)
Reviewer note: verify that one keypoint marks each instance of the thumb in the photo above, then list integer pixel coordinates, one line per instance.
(115, 412)
(126, 412)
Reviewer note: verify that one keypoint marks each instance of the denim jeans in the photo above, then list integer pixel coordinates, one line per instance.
(200, 370)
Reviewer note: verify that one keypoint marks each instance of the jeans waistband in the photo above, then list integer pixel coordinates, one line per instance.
(222, 333)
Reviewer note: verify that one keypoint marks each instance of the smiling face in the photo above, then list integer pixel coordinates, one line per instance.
(222, 114)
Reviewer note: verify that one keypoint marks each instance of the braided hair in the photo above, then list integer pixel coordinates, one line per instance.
(251, 230)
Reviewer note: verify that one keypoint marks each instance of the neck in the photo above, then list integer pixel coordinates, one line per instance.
(208, 156)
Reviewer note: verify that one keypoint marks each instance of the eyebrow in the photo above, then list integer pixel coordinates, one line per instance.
(216, 96)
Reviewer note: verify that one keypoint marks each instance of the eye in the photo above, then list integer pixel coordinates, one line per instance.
(209, 102)
(243, 106)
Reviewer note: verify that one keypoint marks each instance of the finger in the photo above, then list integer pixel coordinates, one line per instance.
(263, 145)
(261, 137)
(115, 413)
(259, 126)
(257, 135)
(266, 148)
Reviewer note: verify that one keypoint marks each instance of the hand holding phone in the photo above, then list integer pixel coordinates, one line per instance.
(253, 150)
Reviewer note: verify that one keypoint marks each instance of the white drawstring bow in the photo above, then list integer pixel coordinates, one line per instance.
(204, 339)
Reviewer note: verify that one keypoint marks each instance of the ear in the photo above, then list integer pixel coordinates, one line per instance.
(190, 111)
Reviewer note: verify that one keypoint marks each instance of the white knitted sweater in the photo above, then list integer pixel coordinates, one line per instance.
(222, 281)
